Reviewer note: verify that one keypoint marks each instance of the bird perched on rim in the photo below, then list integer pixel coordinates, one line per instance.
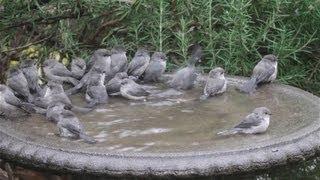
(131, 90)
(265, 71)
(113, 86)
(139, 63)
(100, 58)
(56, 71)
(216, 83)
(254, 123)
(70, 126)
(19, 84)
(30, 72)
(119, 61)
(78, 67)
(11, 106)
(96, 91)
(156, 67)
(184, 78)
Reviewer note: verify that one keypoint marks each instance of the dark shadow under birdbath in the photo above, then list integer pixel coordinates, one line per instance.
(175, 135)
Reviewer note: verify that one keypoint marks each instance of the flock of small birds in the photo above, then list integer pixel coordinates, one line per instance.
(109, 73)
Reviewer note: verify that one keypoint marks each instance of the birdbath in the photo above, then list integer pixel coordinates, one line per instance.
(172, 134)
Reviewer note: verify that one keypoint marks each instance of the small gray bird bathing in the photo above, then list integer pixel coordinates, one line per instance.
(255, 123)
(265, 71)
(96, 91)
(184, 78)
(113, 86)
(98, 58)
(156, 67)
(139, 63)
(216, 83)
(133, 91)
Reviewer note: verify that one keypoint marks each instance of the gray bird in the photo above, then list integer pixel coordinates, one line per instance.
(119, 61)
(216, 83)
(184, 78)
(84, 82)
(96, 91)
(101, 58)
(30, 72)
(56, 71)
(78, 67)
(254, 123)
(133, 91)
(113, 86)
(139, 63)
(156, 67)
(19, 84)
(55, 94)
(53, 111)
(69, 125)
(265, 71)
(11, 106)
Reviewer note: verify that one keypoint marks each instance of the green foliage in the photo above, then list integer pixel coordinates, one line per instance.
(235, 34)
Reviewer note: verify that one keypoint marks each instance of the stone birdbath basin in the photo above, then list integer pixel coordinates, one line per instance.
(172, 135)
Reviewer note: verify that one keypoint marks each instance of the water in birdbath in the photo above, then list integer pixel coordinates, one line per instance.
(174, 121)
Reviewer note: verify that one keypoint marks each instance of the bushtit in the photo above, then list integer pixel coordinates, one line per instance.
(19, 84)
(55, 94)
(84, 82)
(78, 67)
(69, 124)
(133, 91)
(184, 78)
(30, 72)
(265, 71)
(119, 61)
(11, 106)
(113, 86)
(254, 123)
(156, 67)
(58, 72)
(96, 91)
(99, 58)
(139, 63)
(216, 83)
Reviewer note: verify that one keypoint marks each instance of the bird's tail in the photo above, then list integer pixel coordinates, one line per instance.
(87, 138)
(227, 132)
(81, 109)
(74, 90)
(249, 86)
(72, 80)
(91, 104)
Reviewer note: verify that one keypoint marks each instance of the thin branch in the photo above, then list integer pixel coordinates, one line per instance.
(42, 20)
(27, 45)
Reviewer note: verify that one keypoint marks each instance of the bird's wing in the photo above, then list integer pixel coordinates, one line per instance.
(214, 85)
(136, 63)
(60, 70)
(249, 121)
(263, 71)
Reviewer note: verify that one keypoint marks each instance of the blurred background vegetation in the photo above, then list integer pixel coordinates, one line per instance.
(234, 33)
